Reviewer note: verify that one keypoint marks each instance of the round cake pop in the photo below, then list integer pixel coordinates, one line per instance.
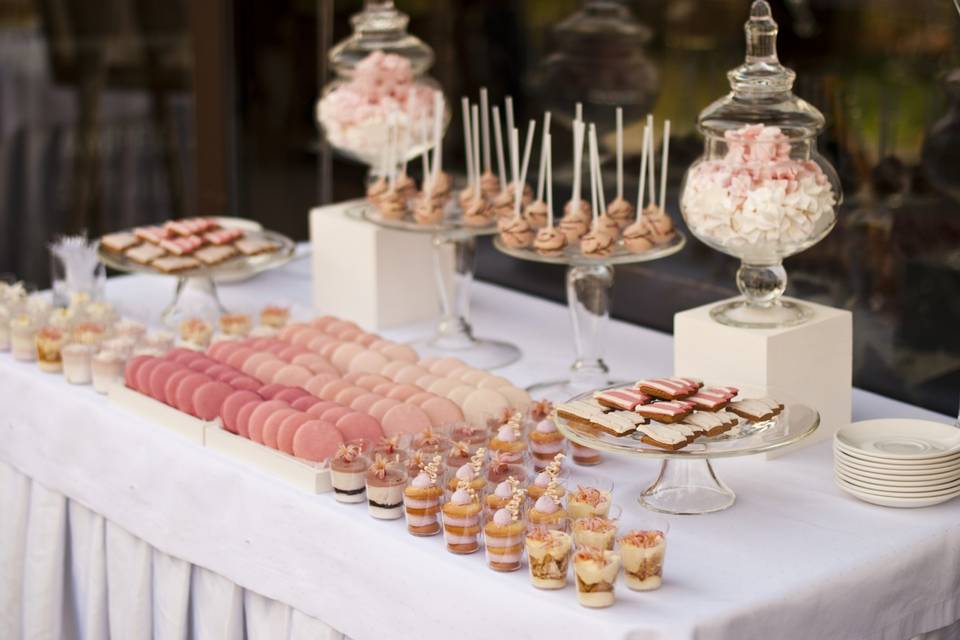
(516, 233)
(428, 210)
(392, 205)
(377, 189)
(477, 213)
(574, 226)
(489, 184)
(638, 237)
(620, 211)
(597, 243)
(550, 241)
(536, 214)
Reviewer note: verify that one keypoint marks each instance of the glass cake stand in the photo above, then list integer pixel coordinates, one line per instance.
(589, 281)
(196, 291)
(687, 483)
(454, 333)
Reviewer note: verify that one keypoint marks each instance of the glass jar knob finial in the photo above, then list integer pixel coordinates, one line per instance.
(761, 72)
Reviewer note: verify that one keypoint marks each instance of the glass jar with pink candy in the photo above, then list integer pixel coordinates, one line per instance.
(761, 192)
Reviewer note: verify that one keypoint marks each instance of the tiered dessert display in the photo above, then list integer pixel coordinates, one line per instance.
(455, 221)
(760, 192)
(590, 239)
(685, 423)
(198, 252)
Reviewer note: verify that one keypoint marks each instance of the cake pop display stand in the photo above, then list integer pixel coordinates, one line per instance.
(589, 281)
(196, 291)
(687, 483)
(454, 334)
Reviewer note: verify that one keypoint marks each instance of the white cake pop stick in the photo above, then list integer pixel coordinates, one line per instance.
(437, 167)
(524, 166)
(508, 102)
(593, 182)
(514, 144)
(485, 127)
(498, 134)
(578, 112)
(619, 153)
(476, 151)
(541, 169)
(643, 170)
(548, 151)
(663, 166)
(467, 139)
(425, 158)
(577, 160)
(652, 160)
(595, 149)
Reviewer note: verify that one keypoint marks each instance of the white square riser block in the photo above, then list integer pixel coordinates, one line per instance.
(812, 362)
(373, 276)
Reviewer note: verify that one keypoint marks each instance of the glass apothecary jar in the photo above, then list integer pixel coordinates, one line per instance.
(381, 81)
(761, 192)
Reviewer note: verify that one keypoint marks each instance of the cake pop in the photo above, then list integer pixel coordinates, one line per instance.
(392, 204)
(577, 206)
(440, 181)
(638, 237)
(549, 241)
(477, 213)
(656, 214)
(489, 183)
(516, 232)
(598, 242)
(467, 195)
(602, 221)
(620, 208)
(536, 211)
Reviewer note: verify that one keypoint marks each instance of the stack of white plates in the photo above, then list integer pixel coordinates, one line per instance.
(898, 463)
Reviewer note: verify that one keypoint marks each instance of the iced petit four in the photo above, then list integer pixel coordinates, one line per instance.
(49, 342)
(235, 324)
(421, 501)
(385, 489)
(545, 442)
(548, 556)
(642, 553)
(596, 572)
(274, 316)
(503, 537)
(589, 501)
(348, 474)
(461, 521)
(77, 362)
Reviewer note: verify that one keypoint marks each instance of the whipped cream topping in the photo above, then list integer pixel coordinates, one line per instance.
(503, 490)
(465, 473)
(542, 480)
(757, 194)
(502, 517)
(545, 504)
(422, 481)
(461, 497)
(506, 433)
(546, 426)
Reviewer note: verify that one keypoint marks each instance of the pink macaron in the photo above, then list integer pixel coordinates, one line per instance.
(288, 429)
(144, 371)
(266, 371)
(333, 414)
(346, 352)
(316, 383)
(259, 418)
(315, 362)
(363, 402)
(348, 395)
(242, 421)
(391, 369)
(185, 390)
(238, 357)
(303, 338)
(305, 402)
(231, 407)
(209, 398)
(368, 361)
(130, 371)
(359, 426)
(316, 440)
(405, 418)
(331, 389)
(159, 376)
(410, 374)
(379, 409)
(403, 391)
(321, 407)
(170, 386)
(322, 322)
(250, 364)
(292, 375)
(442, 412)
(370, 381)
(400, 352)
(245, 382)
(318, 342)
(272, 389)
(291, 394)
(272, 425)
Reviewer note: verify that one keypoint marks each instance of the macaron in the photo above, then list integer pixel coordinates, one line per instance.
(219, 369)
(403, 391)
(259, 418)
(144, 371)
(271, 389)
(130, 371)
(201, 365)
(368, 361)
(460, 394)
(329, 347)
(370, 380)
(352, 376)
(291, 352)
(292, 394)
(242, 421)
(250, 364)
(316, 383)
(379, 409)
(316, 440)
(170, 386)
(384, 388)
(518, 398)
(404, 418)
(231, 407)
(293, 375)
(424, 382)
(318, 342)
(344, 354)
(172, 354)
(288, 332)
(333, 414)
(272, 425)
(303, 338)
(288, 429)
(391, 369)
(331, 389)
(410, 374)
(348, 395)
(442, 412)
(304, 403)
(363, 402)
(245, 382)
(493, 382)
(315, 362)
(268, 369)
(321, 407)
(420, 398)
(366, 339)
(483, 404)
(443, 365)
(238, 357)
(185, 390)
(472, 376)
(348, 334)
(209, 398)
(159, 376)
(443, 386)
(400, 352)
(359, 426)
(322, 322)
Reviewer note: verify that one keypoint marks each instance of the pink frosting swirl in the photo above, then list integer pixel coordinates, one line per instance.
(546, 426)
(502, 517)
(461, 497)
(545, 504)
(542, 480)
(506, 433)
(422, 481)
(503, 490)
(465, 473)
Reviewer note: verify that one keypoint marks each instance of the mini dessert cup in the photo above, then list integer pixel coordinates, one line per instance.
(121, 345)
(77, 363)
(195, 333)
(508, 444)
(129, 329)
(461, 522)
(235, 324)
(23, 338)
(547, 511)
(106, 370)
(497, 471)
(643, 550)
(503, 538)
(394, 448)
(591, 497)
(431, 441)
(545, 442)
(348, 473)
(421, 503)
(548, 554)
(585, 456)
(541, 481)
(385, 487)
(159, 340)
(476, 436)
(274, 317)
(90, 333)
(465, 474)
(49, 342)
(458, 455)
(597, 531)
(596, 573)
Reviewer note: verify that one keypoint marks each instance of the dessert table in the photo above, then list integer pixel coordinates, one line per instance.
(114, 527)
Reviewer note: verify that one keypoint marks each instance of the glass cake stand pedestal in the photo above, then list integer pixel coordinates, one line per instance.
(454, 333)
(196, 293)
(589, 281)
(687, 483)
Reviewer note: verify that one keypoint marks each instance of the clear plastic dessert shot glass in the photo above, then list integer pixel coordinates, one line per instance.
(596, 574)
(385, 484)
(541, 481)
(348, 473)
(597, 531)
(589, 496)
(548, 554)
(503, 540)
(642, 550)
(422, 500)
(460, 516)
(544, 442)
(585, 456)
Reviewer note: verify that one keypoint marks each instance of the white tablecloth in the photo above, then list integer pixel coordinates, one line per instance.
(197, 545)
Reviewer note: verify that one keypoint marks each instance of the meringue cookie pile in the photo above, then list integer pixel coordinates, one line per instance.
(757, 197)
(354, 115)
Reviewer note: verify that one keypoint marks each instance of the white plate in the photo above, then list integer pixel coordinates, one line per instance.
(884, 486)
(885, 501)
(897, 439)
(896, 462)
(860, 463)
(885, 476)
(890, 493)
